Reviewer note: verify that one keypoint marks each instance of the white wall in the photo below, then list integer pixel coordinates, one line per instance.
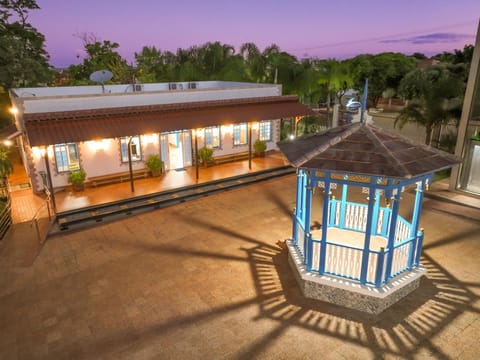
(65, 102)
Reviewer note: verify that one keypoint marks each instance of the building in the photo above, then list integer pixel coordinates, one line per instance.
(466, 177)
(111, 129)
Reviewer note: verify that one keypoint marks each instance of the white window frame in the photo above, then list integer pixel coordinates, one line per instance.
(240, 131)
(265, 130)
(66, 157)
(135, 145)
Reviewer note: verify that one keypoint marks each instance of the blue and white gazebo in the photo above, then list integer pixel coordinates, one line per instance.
(363, 255)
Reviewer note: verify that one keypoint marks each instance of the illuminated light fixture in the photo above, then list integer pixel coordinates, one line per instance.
(49, 151)
(255, 126)
(149, 139)
(13, 110)
(38, 152)
(199, 132)
(96, 145)
(291, 136)
(7, 142)
(227, 129)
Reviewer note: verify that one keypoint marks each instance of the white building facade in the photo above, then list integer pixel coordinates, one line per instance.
(90, 127)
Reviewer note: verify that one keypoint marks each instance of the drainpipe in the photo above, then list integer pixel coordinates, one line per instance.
(49, 182)
(129, 145)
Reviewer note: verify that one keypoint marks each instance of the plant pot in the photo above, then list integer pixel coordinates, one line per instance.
(78, 187)
(156, 173)
(260, 154)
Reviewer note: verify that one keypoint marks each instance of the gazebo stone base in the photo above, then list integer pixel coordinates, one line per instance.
(350, 294)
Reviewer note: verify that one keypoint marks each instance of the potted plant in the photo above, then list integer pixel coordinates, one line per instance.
(154, 164)
(260, 146)
(77, 179)
(206, 155)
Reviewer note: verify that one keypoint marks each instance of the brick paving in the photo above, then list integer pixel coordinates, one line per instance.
(206, 279)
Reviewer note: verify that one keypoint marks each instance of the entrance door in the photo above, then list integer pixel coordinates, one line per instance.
(176, 148)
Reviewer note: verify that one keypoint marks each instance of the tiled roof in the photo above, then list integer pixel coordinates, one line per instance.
(365, 149)
(82, 125)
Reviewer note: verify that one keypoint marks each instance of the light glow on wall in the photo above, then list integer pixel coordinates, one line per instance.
(149, 139)
(13, 110)
(227, 129)
(38, 152)
(255, 126)
(97, 145)
(200, 132)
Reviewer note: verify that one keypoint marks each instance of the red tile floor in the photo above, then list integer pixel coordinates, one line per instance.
(25, 204)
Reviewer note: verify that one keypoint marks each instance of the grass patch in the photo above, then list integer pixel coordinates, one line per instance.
(440, 175)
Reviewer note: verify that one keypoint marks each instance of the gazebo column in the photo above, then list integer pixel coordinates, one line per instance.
(298, 212)
(391, 233)
(343, 206)
(416, 249)
(368, 233)
(323, 243)
(376, 211)
(308, 246)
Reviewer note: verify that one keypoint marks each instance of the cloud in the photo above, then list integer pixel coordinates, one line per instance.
(434, 38)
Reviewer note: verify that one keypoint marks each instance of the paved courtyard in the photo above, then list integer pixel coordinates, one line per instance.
(207, 280)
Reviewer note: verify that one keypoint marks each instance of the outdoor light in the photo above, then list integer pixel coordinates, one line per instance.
(13, 110)
(38, 152)
(291, 137)
(7, 142)
(227, 129)
(255, 126)
(199, 132)
(148, 139)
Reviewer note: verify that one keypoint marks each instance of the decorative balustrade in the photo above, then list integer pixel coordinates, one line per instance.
(345, 261)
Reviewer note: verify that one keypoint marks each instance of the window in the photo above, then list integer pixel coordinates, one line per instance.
(66, 157)
(240, 134)
(134, 146)
(212, 137)
(265, 131)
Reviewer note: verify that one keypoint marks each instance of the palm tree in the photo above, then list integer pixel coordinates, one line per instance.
(436, 98)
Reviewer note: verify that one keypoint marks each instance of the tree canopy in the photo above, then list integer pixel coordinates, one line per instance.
(24, 60)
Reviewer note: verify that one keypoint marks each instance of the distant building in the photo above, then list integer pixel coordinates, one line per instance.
(106, 129)
(466, 177)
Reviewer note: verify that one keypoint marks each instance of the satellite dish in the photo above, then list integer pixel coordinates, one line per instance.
(101, 76)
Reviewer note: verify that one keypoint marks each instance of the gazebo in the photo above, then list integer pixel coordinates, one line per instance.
(362, 254)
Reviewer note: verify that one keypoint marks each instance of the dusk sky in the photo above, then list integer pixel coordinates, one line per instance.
(305, 28)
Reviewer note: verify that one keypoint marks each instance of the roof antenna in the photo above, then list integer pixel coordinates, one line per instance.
(101, 76)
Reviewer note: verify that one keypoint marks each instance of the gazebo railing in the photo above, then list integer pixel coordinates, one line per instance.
(345, 261)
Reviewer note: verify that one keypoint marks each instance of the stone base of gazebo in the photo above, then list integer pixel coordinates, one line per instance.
(351, 294)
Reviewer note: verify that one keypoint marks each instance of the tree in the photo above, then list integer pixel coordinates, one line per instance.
(24, 60)
(383, 71)
(335, 77)
(436, 98)
(100, 55)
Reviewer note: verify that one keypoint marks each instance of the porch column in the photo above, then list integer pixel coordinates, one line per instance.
(196, 155)
(323, 243)
(249, 146)
(391, 234)
(49, 182)
(368, 233)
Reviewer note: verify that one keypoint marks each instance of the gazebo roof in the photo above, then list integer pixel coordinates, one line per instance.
(361, 148)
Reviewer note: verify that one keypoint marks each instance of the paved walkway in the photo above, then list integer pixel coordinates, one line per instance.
(206, 280)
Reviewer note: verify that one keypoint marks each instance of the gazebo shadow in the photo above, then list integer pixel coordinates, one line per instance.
(399, 331)
(403, 330)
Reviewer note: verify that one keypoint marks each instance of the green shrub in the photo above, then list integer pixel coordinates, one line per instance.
(205, 154)
(260, 146)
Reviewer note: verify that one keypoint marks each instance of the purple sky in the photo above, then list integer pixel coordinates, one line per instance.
(305, 28)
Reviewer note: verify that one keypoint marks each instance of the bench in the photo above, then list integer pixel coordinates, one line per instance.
(118, 177)
(222, 159)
